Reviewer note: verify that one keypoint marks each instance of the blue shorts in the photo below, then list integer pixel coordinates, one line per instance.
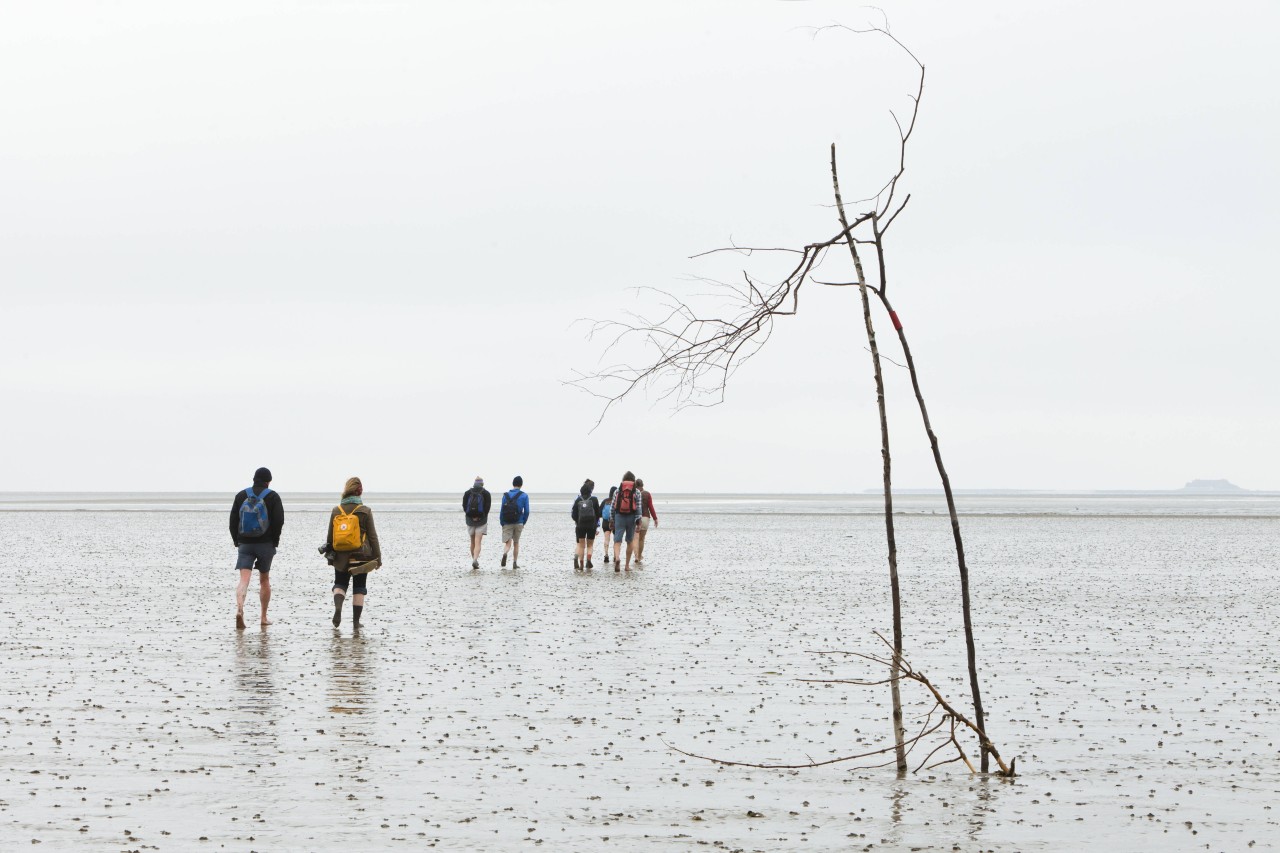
(256, 556)
(624, 527)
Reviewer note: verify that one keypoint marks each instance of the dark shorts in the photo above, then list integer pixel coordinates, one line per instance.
(585, 532)
(256, 556)
(606, 525)
(342, 579)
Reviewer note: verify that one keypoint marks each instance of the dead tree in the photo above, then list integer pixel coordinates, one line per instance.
(948, 717)
(693, 355)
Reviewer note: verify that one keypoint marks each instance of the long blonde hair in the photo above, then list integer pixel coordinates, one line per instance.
(352, 487)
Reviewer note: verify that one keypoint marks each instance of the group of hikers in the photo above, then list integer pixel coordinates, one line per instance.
(626, 514)
(351, 545)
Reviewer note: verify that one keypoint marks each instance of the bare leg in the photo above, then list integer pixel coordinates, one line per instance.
(640, 532)
(515, 553)
(477, 542)
(631, 548)
(578, 552)
(242, 590)
(617, 549)
(591, 547)
(264, 594)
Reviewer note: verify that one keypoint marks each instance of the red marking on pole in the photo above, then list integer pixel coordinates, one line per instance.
(897, 324)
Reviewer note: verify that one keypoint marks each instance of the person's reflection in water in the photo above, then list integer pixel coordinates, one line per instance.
(255, 703)
(350, 699)
(348, 682)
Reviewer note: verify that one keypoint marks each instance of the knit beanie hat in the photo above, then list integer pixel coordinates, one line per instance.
(479, 483)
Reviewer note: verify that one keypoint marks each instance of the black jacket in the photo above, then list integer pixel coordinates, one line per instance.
(486, 503)
(275, 516)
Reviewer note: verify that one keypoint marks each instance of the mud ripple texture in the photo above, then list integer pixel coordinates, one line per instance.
(1131, 663)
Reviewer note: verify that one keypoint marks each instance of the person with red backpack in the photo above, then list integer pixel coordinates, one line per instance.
(626, 513)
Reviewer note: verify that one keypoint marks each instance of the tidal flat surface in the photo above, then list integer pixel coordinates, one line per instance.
(1129, 649)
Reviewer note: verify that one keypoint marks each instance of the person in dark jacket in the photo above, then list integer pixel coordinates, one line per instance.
(354, 564)
(586, 516)
(257, 517)
(476, 503)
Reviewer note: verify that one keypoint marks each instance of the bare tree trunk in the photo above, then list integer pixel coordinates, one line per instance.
(978, 716)
(899, 734)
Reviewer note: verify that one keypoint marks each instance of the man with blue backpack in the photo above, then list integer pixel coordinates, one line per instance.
(513, 513)
(257, 517)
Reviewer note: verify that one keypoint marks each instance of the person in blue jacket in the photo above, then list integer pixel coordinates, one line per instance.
(513, 514)
(606, 520)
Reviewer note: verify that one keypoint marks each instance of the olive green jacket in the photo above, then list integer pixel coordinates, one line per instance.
(369, 557)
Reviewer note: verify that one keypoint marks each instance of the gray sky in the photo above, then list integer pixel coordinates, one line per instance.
(346, 238)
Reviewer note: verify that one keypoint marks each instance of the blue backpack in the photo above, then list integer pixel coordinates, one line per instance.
(475, 505)
(254, 520)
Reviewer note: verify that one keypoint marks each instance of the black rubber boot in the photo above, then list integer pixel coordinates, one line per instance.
(337, 608)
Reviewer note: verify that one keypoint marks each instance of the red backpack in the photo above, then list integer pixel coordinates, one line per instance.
(627, 498)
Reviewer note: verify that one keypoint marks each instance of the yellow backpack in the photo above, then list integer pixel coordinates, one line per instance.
(346, 531)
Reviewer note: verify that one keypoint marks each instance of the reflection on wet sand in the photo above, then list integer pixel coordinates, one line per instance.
(256, 699)
(349, 691)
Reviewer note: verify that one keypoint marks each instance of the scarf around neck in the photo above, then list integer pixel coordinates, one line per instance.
(350, 500)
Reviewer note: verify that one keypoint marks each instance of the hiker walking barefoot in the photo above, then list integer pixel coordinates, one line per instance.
(476, 502)
(586, 515)
(647, 514)
(606, 521)
(353, 541)
(626, 512)
(257, 517)
(513, 514)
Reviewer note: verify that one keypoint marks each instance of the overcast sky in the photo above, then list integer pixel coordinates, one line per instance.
(344, 238)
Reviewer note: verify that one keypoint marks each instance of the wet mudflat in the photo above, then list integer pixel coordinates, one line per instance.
(1132, 664)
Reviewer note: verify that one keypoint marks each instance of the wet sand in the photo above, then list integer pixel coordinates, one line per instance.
(1129, 663)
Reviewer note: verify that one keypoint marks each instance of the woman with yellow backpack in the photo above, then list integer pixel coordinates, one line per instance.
(353, 548)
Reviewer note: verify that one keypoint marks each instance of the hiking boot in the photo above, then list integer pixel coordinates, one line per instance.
(504, 561)
(606, 559)
(475, 564)
(514, 565)
(589, 565)
(577, 567)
